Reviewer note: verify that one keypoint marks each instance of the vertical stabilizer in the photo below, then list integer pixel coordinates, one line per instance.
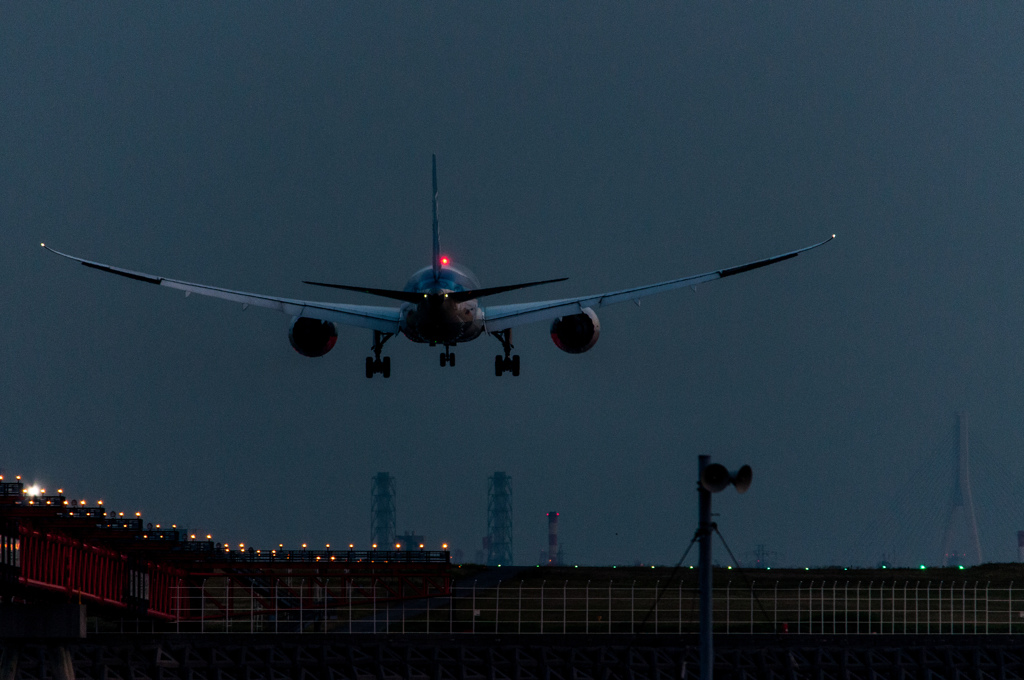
(437, 243)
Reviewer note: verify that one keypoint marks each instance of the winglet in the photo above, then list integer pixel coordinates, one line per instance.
(437, 243)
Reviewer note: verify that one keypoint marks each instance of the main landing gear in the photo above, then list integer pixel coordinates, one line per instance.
(447, 357)
(375, 364)
(507, 363)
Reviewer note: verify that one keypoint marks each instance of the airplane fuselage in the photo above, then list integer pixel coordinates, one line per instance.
(437, 319)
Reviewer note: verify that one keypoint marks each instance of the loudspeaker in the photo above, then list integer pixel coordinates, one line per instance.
(716, 477)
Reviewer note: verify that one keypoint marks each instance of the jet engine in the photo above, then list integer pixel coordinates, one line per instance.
(577, 333)
(312, 337)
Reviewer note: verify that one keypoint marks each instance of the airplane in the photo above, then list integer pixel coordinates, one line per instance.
(440, 306)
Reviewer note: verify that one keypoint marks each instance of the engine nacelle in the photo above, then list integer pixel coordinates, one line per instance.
(312, 337)
(577, 333)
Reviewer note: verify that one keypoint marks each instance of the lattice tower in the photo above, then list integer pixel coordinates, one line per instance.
(499, 519)
(382, 511)
(960, 542)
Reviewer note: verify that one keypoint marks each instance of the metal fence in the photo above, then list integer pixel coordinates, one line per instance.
(813, 607)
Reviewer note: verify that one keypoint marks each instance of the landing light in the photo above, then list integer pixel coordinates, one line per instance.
(33, 490)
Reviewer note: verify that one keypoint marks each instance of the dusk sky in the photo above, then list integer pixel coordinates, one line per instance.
(254, 145)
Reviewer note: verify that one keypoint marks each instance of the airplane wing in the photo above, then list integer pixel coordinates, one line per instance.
(501, 317)
(384, 319)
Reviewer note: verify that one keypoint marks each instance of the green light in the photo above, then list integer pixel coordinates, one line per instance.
(922, 566)
(961, 566)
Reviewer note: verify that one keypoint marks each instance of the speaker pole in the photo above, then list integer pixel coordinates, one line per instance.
(707, 655)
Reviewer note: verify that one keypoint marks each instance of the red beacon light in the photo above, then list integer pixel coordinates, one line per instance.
(445, 261)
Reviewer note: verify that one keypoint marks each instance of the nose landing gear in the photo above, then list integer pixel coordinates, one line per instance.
(510, 362)
(447, 357)
(376, 364)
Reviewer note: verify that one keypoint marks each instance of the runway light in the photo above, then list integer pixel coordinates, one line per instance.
(303, 546)
(351, 545)
(961, 566)
(922, 566)
(444, 546)
(208, 537)
(138, 514)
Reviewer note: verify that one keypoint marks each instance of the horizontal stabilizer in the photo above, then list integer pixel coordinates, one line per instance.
(457, 296)
(403, 295)
(463, 295)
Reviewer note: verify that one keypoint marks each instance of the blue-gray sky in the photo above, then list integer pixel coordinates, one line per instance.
(252, 145)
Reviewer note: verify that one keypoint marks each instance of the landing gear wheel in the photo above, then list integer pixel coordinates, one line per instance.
(444, 359)
(515, 365)
(499, 365)
(375, 364)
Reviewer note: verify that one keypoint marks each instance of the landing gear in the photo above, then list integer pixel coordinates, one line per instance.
(376, 364)
(447, 358)
(510, 362)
